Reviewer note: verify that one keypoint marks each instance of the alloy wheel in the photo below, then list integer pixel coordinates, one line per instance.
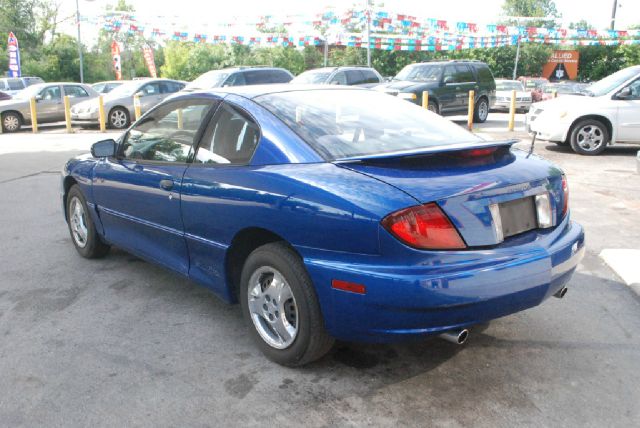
(118, 119)
(78, 222)
(590, 137)
(11, 123)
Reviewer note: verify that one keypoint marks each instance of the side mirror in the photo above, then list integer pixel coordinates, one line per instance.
(140, 94)
(624, 93)
(448, 79)
(104, 149)
(38, 97)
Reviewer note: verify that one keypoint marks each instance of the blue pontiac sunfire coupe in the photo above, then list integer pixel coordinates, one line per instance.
(329, 213)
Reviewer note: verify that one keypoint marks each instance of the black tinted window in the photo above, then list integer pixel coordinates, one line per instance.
(484, 74)
(464, 73)
(75, 91)
(170, 87)
(279, 76)
(257, 77)
(231, 139)
(355, 77)
(370, 76)
(15, 84)
(167, 134)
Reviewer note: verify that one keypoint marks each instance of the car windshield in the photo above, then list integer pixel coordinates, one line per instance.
(419, 73)
(341, 123)
(609, 83)
(125, 90)
(211, 79)
(509, 86)
(311, 77)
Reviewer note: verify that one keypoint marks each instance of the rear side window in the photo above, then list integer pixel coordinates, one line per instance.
(171, 87)
(340, 78)
(15, 84)
(370, 76)
(230, 140)
(355, 77)
(464, 74)
(75, 91)
(236, 79)
(257, 77)
(279, 76)
(484, 74)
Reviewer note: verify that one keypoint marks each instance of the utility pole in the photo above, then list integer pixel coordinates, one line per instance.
(613, 14)
(79, 43)
(368, 12)
(515, 67)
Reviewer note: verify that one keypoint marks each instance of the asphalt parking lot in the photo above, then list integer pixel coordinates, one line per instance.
(120, 342)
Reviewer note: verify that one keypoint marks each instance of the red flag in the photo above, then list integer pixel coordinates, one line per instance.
(115, 56)
(147, 52)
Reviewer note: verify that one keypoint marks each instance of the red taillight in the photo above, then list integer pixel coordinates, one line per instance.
(565, 196)
(477, 153)
(425, 227)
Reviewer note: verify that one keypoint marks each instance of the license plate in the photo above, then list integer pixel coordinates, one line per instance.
(518, 216)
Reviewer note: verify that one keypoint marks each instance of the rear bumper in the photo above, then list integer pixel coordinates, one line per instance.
(429, 298)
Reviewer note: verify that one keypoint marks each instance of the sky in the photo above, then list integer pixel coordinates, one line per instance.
(189, 12)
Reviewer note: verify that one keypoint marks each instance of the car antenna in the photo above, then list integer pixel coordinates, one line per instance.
(533, 142)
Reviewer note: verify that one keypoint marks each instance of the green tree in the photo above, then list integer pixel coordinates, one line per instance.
(532, 9)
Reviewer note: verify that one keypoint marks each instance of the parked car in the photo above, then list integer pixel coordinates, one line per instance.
(240, 76)
(108, 86)
(353, 76)
(448, 84)
(4, 96)
(504, 89)
(534, 85)
(13, 85)
(327, 218)
(553, 90)
(16, 112)
(607, 113)
(118, 104)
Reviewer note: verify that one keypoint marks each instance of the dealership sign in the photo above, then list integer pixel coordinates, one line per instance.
(563, 65)
(147, 52)
(115, 58)
(14, 56)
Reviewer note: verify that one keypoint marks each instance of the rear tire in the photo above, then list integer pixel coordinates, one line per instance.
(589, 137)
(119, 118)
(83, 232)
(481, 112)
(11, 122)
(280, 307)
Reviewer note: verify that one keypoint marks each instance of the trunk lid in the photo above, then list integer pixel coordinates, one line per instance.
(465, 185)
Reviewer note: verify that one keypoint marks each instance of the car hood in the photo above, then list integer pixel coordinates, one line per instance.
(405, 86)
(519, 94)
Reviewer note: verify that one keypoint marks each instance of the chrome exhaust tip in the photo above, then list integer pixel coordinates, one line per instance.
(560, 294)
(455, 336)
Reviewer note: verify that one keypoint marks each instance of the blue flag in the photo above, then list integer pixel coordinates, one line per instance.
(14, 56)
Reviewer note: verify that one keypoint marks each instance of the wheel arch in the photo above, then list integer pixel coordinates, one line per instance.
(66, 185)
(20, 115)
(599, 117)
(244, 243)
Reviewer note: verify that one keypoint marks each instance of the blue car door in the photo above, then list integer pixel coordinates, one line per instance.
(137, 192)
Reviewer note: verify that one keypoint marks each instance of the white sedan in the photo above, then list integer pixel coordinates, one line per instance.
(503, 95)
(607, 113)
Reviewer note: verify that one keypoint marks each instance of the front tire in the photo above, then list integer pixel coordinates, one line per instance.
(11, 122)
(81, 227)
(280, 307)
(589, 137)
(433, 107)
(119, 118)
(481, 112)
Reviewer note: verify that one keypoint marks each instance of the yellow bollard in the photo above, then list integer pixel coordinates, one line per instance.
(136, 106)
(180, 120)
(101, 118)
(34, 115)
(471, 106)
(425, 99)
(512, 111)
(67, 113)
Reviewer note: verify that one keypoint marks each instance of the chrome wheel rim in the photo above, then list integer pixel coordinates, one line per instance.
(483, 110)
(590, 138)
(118, 119)
(11, 122)
(272, 307)
(78, 222)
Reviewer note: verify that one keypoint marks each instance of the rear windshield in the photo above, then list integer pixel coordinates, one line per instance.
(341, 123)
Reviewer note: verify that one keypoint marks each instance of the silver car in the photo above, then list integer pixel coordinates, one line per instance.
(49, 97)
(118, 104)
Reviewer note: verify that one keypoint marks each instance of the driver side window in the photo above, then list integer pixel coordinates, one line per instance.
(635, 90)
(167, 134)
(52, 93)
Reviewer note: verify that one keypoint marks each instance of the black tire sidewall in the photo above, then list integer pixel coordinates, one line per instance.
(94, 247)
(297, 278)
(574, 137)
(435, 107)
(476, 112)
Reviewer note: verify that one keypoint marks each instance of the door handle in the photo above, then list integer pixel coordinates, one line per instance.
(166, 184)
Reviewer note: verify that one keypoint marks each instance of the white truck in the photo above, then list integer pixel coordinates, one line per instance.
(607, 113)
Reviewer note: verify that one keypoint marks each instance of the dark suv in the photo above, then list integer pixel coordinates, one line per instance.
(352, 75)
(448, 84)
(240, 76)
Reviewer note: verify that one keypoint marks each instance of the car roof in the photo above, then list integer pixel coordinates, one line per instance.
(253, 91)
(110, 81)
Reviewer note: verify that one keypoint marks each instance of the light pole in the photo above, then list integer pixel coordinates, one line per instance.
(79, 42)
(368, 12)
(613, 15)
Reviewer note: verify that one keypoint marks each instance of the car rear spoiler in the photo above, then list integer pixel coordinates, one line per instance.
(425, 151)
